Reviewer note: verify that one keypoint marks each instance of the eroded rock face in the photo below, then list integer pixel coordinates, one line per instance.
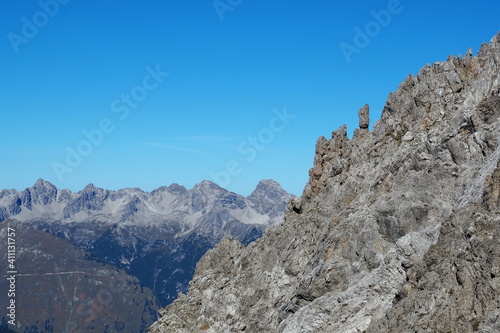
(397, 229)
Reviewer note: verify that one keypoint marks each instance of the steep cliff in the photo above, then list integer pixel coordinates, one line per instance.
(398, 229)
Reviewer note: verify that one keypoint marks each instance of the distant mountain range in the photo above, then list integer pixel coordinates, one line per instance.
(151, 240)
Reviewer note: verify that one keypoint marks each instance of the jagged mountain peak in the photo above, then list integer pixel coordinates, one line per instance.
(91, 188)
(204, 196)
(266, 195)
(42, 188)
(207, 185)
(266, 186)
(396, 231)
(41, 183)
(42, 192)
(174, 188)
(429, 95)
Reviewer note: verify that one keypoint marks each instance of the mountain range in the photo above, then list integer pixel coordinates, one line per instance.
(151, 240)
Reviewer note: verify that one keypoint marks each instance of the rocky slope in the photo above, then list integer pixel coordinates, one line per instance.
(58, 290)
(397, 229)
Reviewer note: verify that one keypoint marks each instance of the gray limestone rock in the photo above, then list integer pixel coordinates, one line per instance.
(364, 117)
(397, 230)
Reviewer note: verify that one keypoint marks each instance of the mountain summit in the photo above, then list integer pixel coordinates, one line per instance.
(397, 230)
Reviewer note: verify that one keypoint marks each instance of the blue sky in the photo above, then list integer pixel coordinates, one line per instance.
(250, 86)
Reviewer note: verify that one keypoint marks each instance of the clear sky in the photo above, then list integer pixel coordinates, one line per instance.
(86, 98)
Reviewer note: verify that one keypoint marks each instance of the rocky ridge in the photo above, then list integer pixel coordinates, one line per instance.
(397, 230)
